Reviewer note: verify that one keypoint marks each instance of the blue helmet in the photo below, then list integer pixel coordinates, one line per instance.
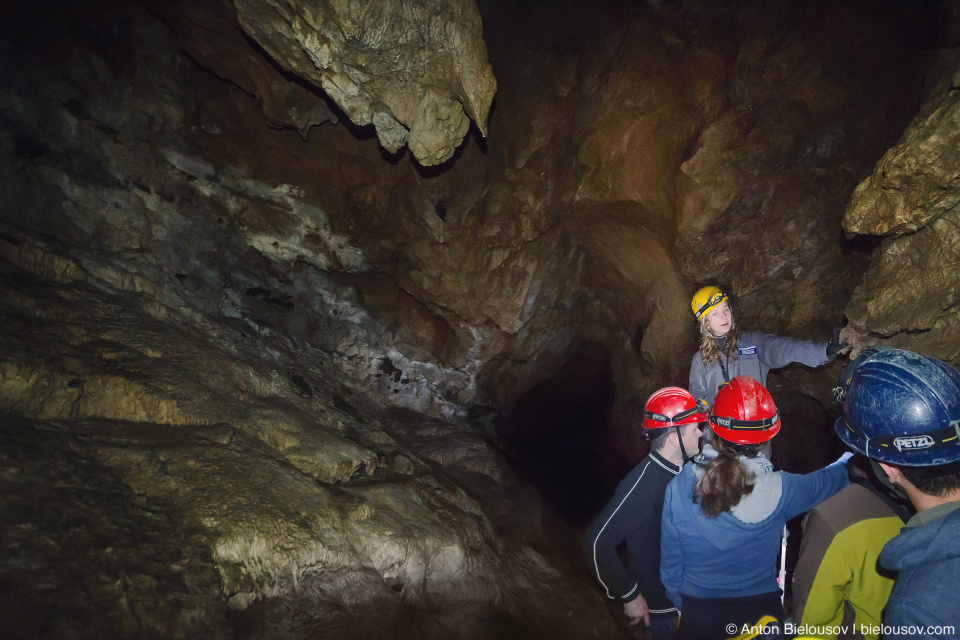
(839, 392)
(902, 408)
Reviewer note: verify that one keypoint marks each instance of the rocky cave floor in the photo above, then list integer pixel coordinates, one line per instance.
(84, 556)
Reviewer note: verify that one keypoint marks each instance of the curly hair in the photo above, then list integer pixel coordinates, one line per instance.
(710, 350)
(725, 481)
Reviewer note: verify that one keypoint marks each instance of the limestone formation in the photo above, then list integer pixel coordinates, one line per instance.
(209, 31)
(909, 296)
(916, 181)
(415, 69)
(86, 557)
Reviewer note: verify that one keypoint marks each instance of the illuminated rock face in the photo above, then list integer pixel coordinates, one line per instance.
(909, 296)
(236, 332)
(416, 70)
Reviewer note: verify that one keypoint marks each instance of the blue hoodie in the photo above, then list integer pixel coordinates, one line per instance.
(927, 592)
(735, 554)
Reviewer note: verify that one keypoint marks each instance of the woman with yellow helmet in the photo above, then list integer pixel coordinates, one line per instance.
(726, 352)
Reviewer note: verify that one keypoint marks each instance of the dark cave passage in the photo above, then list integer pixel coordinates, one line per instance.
(556, 435)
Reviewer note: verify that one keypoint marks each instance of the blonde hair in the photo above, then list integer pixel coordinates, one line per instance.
(710, 349)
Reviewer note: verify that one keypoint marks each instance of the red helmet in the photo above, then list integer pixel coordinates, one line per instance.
(744, 412)
(671, 407)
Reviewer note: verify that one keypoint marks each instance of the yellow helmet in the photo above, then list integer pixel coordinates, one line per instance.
(705, 300)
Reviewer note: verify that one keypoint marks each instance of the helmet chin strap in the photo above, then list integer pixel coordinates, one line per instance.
(683, 450)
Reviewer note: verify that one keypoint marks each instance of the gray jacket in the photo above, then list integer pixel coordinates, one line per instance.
(925, 602)
(758, 354)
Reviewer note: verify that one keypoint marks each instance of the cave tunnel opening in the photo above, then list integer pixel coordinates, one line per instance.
(557, 435)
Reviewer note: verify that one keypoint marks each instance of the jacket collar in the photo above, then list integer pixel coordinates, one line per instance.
(663, 462)
(926, 517)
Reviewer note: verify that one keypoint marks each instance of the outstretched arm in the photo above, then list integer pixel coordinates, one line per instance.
(778, 351)
(803, 492)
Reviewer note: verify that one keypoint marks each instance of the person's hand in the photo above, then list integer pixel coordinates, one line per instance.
(637, 610)
(837, 344)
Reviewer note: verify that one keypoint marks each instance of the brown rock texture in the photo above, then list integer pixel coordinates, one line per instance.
(212, 35)
(909, 296)
(416, 70)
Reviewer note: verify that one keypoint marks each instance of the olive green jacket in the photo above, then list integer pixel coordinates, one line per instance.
(838, 587)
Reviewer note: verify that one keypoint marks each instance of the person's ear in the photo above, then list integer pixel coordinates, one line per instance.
(893, 474)
(673, 437)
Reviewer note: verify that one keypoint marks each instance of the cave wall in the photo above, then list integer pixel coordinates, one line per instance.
(234, 291)
(707, 146)
(908, 297)
(633, 154)
(181, 421)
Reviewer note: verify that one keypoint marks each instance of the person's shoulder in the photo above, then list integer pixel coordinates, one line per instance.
(854, 503)
(952, 519)
(645, 471)
(849, 494)
(637, 471)
(929, 603)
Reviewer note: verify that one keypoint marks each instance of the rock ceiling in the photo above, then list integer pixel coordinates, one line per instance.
(270, 270)
(416, 70)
